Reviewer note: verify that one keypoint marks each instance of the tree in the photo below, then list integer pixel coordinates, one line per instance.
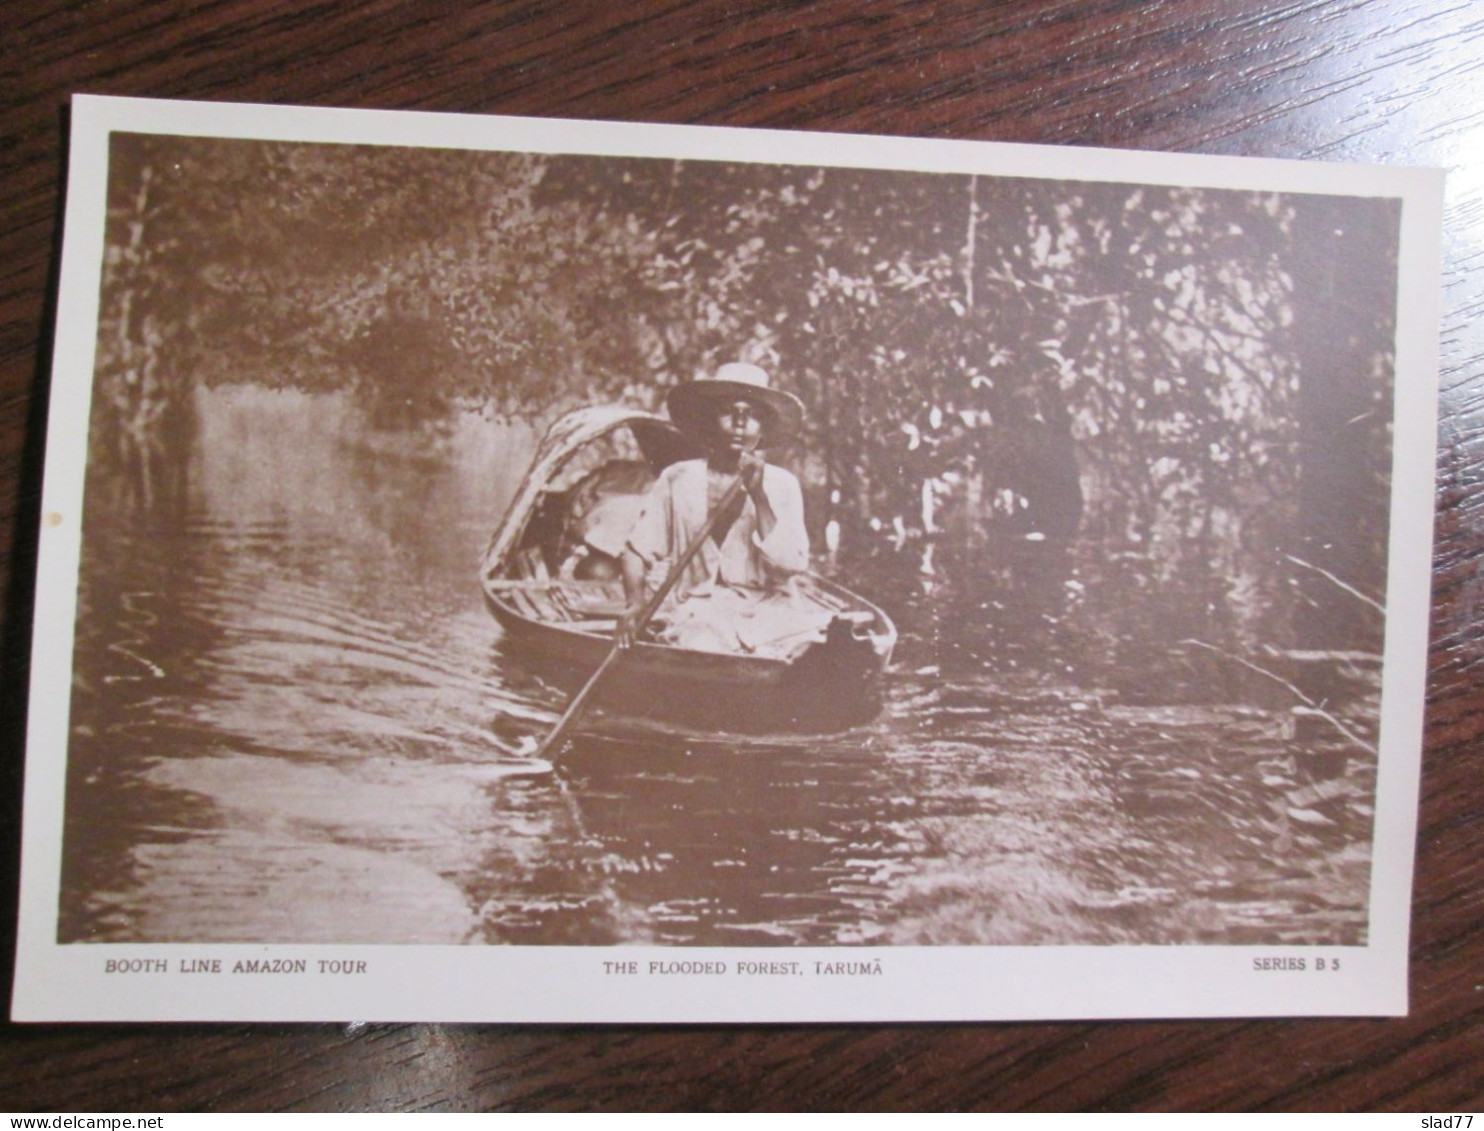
(984, 360)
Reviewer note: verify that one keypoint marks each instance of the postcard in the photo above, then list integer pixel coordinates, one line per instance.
(498, 569)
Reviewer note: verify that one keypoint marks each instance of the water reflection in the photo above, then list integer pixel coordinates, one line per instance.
(294, 722)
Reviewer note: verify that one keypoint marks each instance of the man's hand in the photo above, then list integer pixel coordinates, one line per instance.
(751, 470)
(627, 628)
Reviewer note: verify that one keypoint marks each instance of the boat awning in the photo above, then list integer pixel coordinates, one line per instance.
(660, 442)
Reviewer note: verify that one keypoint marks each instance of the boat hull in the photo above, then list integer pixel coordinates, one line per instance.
(832, 686)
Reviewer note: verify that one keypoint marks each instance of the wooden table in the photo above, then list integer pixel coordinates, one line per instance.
(1388, 81)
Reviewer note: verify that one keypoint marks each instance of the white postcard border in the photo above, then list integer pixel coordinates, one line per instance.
(184, 982)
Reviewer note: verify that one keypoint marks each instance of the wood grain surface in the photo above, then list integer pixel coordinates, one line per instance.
(1388, 81)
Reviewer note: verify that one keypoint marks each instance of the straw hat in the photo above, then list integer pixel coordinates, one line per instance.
(693, 406)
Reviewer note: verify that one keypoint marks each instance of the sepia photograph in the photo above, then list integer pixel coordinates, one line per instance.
(514, 548)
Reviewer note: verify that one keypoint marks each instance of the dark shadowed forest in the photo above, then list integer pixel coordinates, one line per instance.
(1199, 379)
(1192, 383)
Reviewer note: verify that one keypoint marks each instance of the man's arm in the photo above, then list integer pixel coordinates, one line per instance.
(648, 541)
(634, 571)
(780, 535)
(753, 467)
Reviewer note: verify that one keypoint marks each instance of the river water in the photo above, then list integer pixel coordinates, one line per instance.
(293, 721)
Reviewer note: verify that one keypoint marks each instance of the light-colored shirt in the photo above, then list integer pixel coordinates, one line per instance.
(677, 508)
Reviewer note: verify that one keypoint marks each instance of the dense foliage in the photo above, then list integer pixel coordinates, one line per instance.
(1184, 377)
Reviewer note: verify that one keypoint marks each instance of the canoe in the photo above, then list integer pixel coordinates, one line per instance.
(558, 599)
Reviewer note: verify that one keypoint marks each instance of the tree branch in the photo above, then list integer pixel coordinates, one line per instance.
(1348, 588)
(1307, 701)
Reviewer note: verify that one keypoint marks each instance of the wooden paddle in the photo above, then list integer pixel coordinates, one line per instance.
(646, 613)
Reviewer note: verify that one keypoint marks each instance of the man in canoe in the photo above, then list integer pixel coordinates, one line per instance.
(734, 594)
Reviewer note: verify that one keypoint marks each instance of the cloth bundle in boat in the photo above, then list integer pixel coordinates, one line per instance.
(606, 503)
(777, 623)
